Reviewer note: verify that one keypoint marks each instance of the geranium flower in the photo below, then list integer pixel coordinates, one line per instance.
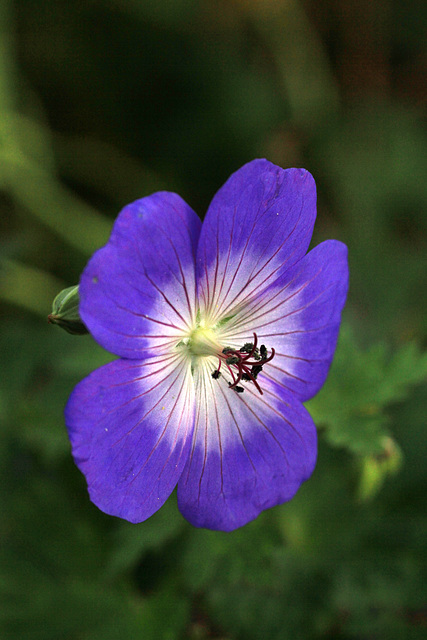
(223, 330)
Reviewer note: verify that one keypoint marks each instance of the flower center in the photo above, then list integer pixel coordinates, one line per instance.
(203, 342)
(242, 364)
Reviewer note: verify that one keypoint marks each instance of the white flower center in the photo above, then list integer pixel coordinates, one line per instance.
(203, 341)
(204, 347)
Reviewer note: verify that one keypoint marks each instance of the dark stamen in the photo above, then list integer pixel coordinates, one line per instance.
(247, 362)
(236, 387)
(256, 370)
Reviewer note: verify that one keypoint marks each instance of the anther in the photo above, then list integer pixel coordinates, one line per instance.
(256, 369)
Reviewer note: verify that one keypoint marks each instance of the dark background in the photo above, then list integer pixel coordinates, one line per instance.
(105, 101)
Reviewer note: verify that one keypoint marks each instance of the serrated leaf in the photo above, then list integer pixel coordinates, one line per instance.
(352, 405)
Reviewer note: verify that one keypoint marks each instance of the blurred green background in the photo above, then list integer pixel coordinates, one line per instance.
(105, 101)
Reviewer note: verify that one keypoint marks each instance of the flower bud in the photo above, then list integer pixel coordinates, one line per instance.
(376, 467)
(65, 311)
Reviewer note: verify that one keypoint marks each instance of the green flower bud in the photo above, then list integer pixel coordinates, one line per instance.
(376, 467)
(65, 311)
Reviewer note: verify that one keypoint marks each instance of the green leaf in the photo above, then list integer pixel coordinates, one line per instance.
(352, 405)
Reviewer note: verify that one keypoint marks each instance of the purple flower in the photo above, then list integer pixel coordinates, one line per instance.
(223, 330)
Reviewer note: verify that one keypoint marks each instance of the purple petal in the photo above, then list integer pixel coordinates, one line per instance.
(258, 225)
(130, 426)
(299, 316)
(249, 453)
(139, 290)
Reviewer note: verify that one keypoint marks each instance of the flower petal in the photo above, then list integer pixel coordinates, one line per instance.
(299, 316)
(130, 426)
(258, 225)
(249, 452)
(139, 290)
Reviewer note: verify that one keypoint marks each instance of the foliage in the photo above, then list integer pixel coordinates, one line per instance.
(104, 102)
